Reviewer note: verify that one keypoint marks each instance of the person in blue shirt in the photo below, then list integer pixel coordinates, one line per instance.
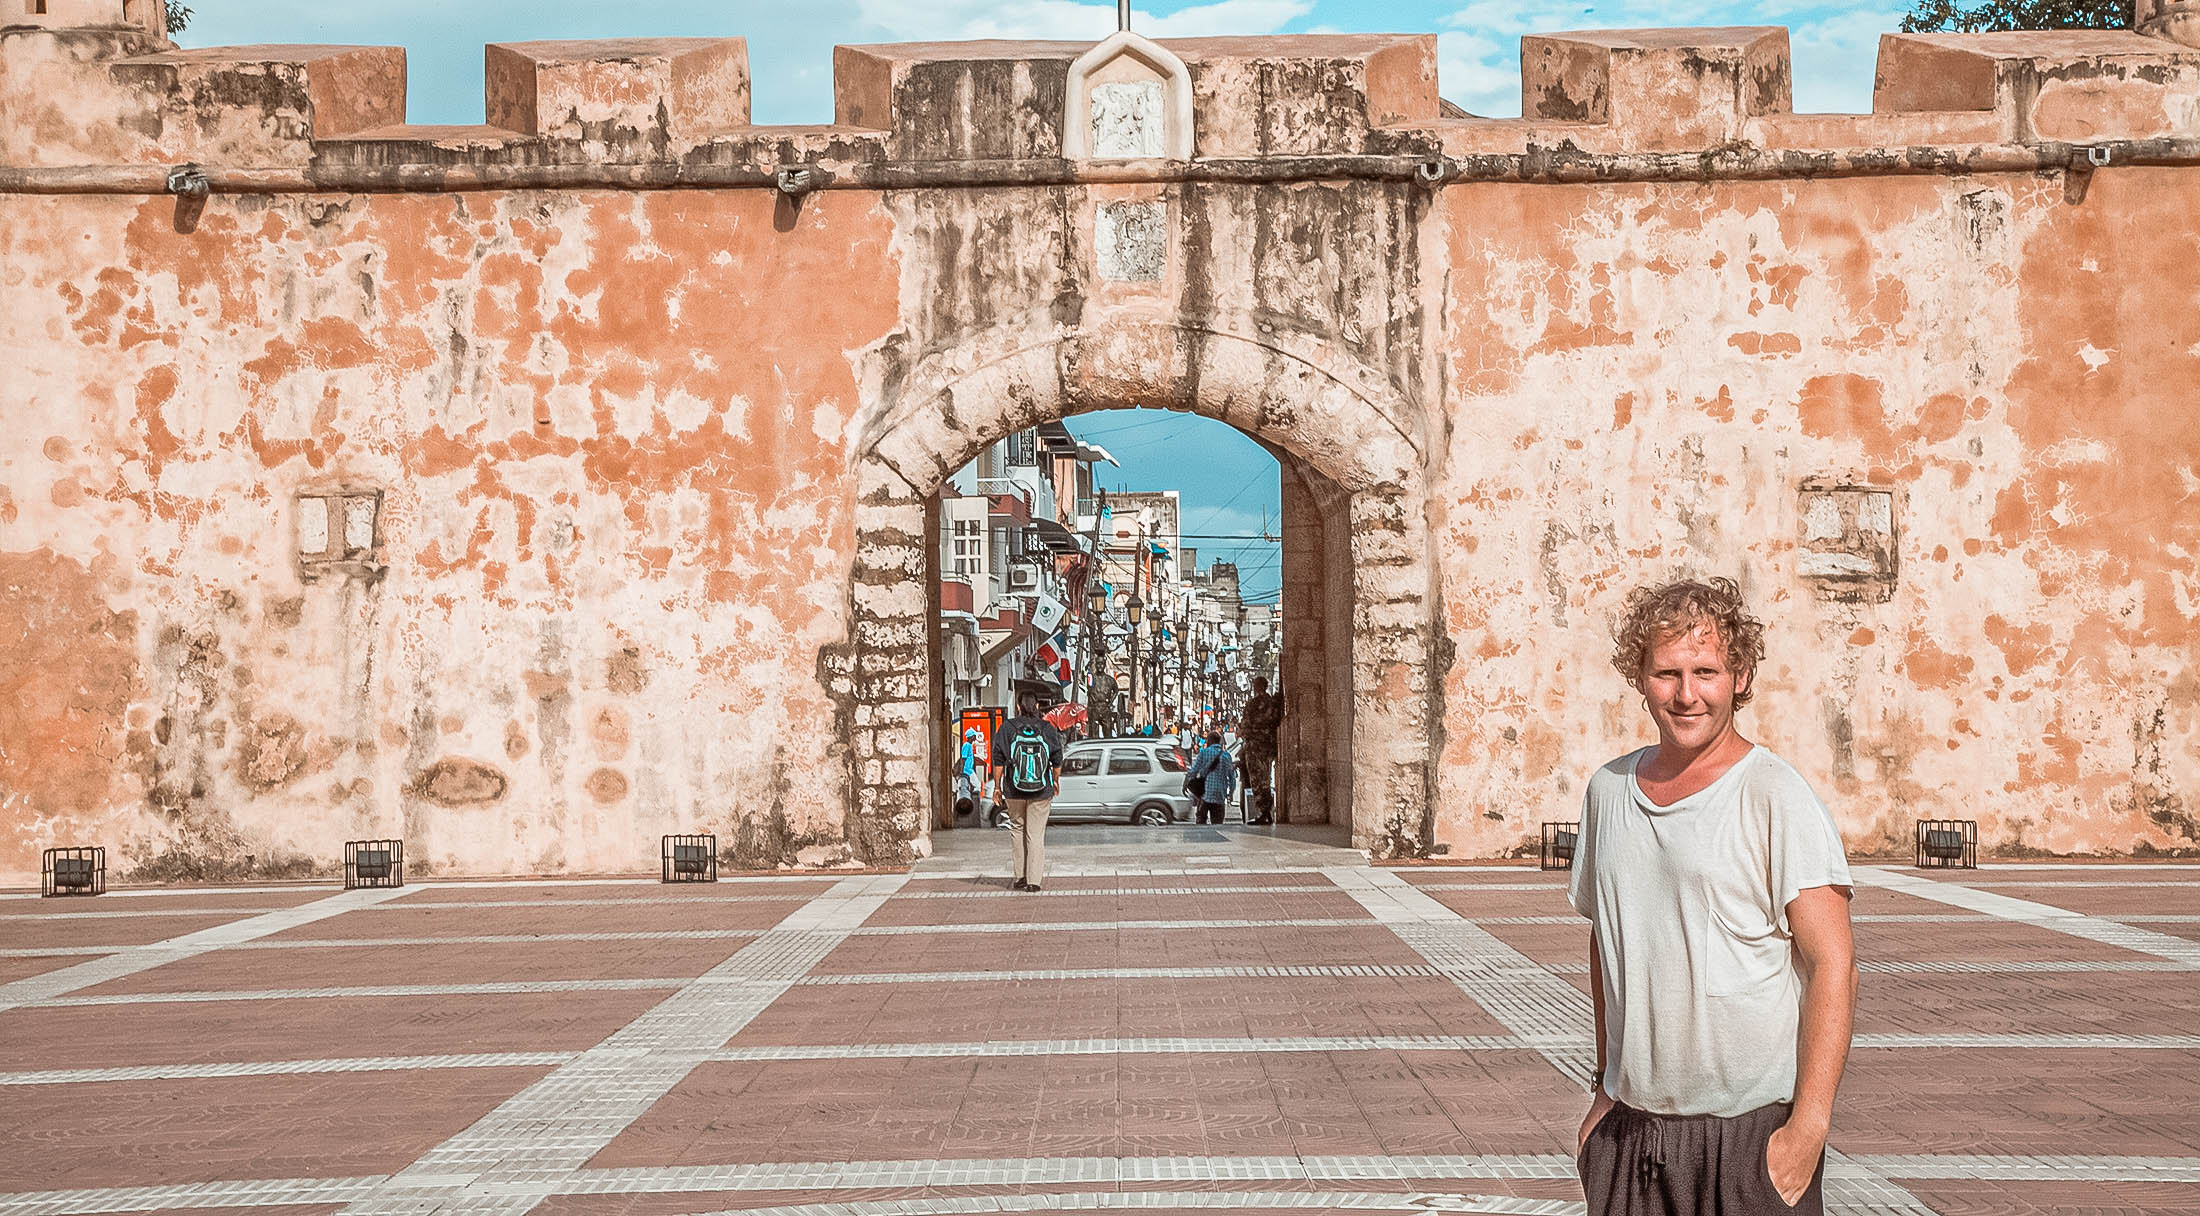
(1211, 779)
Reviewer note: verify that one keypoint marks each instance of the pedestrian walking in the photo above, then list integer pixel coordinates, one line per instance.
(1211, 779)
(1718, 898)
(1027, 762)
(1263, 724)
(966, 770)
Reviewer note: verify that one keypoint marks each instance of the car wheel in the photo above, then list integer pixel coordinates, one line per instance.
(1153, 815)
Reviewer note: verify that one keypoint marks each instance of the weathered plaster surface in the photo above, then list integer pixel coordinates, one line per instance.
(649, 554)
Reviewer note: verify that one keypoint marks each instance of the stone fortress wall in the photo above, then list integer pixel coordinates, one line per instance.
(534, 488)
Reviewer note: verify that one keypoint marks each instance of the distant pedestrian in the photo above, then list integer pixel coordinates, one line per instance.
(966, 770)
(1718, 899)
(1263, 724)
(1211, 779)
(1027, 763)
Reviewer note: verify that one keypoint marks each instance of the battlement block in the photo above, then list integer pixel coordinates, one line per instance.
(2074, 85)
(991, 99)
(93, 96)
(627, 99)
(1302, 95)
(1658, 90)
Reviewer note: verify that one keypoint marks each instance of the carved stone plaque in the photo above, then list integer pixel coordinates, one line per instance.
(1131, 241)
(1127, 119)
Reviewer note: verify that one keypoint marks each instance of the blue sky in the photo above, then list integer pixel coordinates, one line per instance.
(1228, 483)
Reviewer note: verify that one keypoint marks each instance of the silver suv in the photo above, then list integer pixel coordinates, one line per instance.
(1138, 780)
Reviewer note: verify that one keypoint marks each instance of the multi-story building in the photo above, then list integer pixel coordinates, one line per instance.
(1011, 570)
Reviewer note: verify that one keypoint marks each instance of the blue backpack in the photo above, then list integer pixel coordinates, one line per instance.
(1029, 769)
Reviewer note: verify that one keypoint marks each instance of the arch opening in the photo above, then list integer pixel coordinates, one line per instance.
(1365, 734)
(1225, 546)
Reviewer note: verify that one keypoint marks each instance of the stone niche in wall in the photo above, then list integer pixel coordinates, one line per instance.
(1129, 98)
(1848, 541)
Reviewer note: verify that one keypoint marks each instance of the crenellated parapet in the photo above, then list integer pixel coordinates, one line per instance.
(94, 83)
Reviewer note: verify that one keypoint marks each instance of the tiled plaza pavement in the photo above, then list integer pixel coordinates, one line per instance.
(1263, 1024)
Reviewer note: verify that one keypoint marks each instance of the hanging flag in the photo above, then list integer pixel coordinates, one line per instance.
(1052, 657)
(1047, 613)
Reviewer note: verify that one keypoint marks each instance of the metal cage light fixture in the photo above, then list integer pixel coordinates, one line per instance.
(691, 858)
(1947, 844)
(76, 870)
(1559, 840)
(374, 863)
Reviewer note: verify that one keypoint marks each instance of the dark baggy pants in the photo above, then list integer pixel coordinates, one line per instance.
(1640, 1164)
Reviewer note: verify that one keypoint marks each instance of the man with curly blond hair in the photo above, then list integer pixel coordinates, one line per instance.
(1718, 898)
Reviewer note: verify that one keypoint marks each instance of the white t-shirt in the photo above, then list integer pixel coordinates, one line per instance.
(1689, 903)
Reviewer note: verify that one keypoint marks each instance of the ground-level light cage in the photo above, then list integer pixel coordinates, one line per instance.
(690, 858)
(1947, 844)
(374, 863)
(72, 871)
(1558, 845)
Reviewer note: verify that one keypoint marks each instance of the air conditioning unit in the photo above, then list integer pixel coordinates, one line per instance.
(1023, 578)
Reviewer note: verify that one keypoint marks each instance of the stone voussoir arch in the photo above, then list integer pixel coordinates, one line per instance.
(1344, 420)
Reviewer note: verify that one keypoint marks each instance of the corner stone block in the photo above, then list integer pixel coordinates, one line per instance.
(629, 95)
(1659, 90)
(2078, 86)
(260, 105)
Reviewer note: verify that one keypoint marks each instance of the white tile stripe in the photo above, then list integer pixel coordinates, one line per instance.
(1002, 926)
(1353, 971)
(1189, 924)
(134, 913)
(1004, 1048)
(858, 1175)
(2046, 916)
(555, 1125)
(1113, 1201)
(269, 1068)
(1091, 893)
(2192, 883)
(141, 958)
(364, 990)
(487, 939)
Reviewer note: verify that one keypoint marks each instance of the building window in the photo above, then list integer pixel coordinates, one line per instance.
(969, 551)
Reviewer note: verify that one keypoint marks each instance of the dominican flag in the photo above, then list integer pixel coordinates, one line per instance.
(1052, 656)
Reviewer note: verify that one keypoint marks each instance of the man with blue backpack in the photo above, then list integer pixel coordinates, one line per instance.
(1027, 756)
(1211, 779)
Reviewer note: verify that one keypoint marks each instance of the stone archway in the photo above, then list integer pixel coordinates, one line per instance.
(1342, 420)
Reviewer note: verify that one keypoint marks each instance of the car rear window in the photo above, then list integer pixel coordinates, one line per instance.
(1081, 764)
(1172, 759)
(1126, 760)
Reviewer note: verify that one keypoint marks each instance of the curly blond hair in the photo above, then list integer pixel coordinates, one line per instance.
(1655, 614)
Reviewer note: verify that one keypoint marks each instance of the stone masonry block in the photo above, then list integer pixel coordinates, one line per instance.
(630, 98)
(251, 105)
(2074, 85)
(1659, 90)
